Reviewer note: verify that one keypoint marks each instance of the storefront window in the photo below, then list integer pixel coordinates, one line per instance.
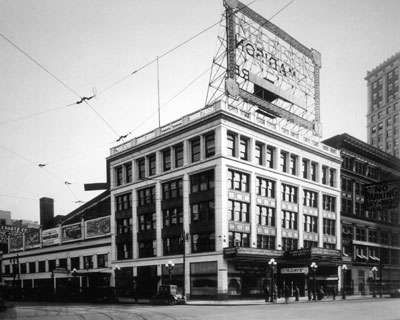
(203, 279)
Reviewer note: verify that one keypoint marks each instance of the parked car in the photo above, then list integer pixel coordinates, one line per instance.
(395, 293)
(168, 295)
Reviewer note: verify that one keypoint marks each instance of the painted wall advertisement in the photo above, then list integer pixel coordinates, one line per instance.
(71, 232)
(32, 239)
(382, 195)
(51, 236)
(98, 227)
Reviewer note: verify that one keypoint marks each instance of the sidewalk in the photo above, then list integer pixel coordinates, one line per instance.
(258, 301)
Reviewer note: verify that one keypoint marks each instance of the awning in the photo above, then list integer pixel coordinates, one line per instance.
(328, 278)
(374, 258)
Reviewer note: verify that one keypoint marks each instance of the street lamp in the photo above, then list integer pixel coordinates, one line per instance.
(374, 271)
(344, 268)
(116, 270)
(314, 267)
(15, 262)
(272, 265)
(170, 266)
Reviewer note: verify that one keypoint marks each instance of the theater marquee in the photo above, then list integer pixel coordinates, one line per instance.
(270, 69)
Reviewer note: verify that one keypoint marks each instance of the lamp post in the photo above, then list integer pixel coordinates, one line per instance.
(314, 267)
(344, 268)
(374, 271)
(15, 262)
(272, 265)
(116, 270)
(170, 266)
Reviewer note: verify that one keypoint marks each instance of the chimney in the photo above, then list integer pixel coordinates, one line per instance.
(46, 212)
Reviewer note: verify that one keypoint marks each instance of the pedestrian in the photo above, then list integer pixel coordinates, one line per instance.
(266, 294)
(321, 293)
(296, 293)
(334, 293)
(286, 292)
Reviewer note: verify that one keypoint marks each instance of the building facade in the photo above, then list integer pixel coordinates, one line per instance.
(370, 238)
(384, 106)
(206, 201)
(70, 261)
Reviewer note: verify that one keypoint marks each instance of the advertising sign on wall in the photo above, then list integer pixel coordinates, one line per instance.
(98, 227)
(32, 239)
(382, 195)
(51, 236)
(16, 243)
(71, 232)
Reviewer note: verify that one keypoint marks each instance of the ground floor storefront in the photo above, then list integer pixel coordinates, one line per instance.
(237, 273)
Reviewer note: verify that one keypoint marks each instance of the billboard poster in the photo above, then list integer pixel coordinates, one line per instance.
(32, 239)
(10, 231)
(267, 68)
(98, 227)
(50, 237)
(16, 243)
(382, 195)
(71, 232)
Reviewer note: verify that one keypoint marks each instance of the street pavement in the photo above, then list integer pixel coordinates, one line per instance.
(354, 308)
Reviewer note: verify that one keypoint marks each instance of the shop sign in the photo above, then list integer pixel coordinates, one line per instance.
(230, 252)
(32, 239)
(298, 254)
(303, 270)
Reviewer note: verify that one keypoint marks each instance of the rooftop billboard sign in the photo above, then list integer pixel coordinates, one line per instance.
(270, 69)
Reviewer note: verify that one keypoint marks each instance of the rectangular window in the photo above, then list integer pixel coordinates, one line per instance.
(304, 168)
(244, 148)
(102, 260)
(203, 181)
(329, 226)
(128, 172)
(238, 180)
(42, 266)
(310, 223)
(310, 198)
(32, 267)
(259, 153)
(238, 211)
(293, 164)
(178, 149)
(172, 189)
(195, 149)
(147, 249)
(288, 193)
(265, 187)
(265, 216)
(283, 161)
(88, 262)
(146, 196)
(289, 244)
(231, 144)
(152, 164)
(270, 157)
(289, 220)
(265, 242)
(166, 155)
(141, 168)
(328, 203)
(203, 242)
(209, 145)
(118, 175)
(239, 239)
(313, 173)
(123, 202)
(75, 263)
(203, 211)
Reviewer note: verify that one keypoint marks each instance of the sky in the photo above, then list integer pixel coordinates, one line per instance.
(55, 52)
